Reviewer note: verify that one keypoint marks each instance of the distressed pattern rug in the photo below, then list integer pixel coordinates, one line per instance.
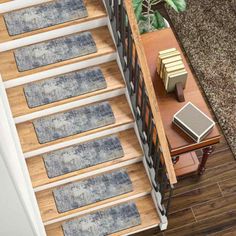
(64, 86)
(207, 31)
(92, 190)
(72, 122)
(44, 15)
(82, 156)
(54, 50)
(104, 222)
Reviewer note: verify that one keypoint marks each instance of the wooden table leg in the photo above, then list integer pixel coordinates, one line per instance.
(206, 153)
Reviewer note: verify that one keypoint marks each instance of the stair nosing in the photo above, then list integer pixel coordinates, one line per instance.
(60, 70)
(69, 105)
(64, 144)
(93, 209)
(53, 34)
(88, 174)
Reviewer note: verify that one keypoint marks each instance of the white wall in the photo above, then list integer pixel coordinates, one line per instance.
(18, 202)
(13, 218)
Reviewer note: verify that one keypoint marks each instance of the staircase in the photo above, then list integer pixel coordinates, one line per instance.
(124, 126)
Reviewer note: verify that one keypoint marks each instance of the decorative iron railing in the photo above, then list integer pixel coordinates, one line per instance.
(143, 99)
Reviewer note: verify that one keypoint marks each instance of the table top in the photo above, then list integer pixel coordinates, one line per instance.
(179, 142)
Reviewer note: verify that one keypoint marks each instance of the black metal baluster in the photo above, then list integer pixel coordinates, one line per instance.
(169, 199)
(150, 141)
(137, 110)
(143, 109)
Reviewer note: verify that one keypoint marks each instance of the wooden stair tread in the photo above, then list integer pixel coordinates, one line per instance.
(147, 211)
(29, 141)
(95, 10)
(101, 36)
(136, 173)
(20, 107)
(130, 146)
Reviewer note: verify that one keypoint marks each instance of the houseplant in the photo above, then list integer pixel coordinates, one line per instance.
(150, 19)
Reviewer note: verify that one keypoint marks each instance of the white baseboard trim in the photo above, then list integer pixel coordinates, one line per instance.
(59, 70)
(97, 208)
(88, 174)
(78, 140)
(69, 106)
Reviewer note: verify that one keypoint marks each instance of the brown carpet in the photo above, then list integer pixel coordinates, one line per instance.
(207, 32)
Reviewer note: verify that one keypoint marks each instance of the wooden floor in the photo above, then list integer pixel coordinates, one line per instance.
(130, 146)
(20, 107)
(121, 111)
(146, 210)
(205, 206)
(95, 10)
(101, 36)
(137, 176)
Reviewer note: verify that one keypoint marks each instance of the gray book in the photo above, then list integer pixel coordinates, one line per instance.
(193, 122)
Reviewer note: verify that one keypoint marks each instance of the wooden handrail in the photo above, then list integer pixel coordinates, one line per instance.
(150, 92)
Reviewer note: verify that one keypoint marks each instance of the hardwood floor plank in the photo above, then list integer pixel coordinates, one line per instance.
(191, 198)
(212, 175)
(226, 232)
(101, 36)
(130, 145)
(215, 207)
(29, 141)
(178, 218)
(139, 181)
(206, 226)
(20, 107)
(228, 186)
(147, 211)
(220, 158)
(95, 10)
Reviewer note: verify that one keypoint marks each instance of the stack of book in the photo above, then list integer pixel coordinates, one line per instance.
(171, 69)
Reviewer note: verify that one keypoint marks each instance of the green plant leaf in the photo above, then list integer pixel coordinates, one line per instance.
(177, 5)
(137, 5)
(158, 21)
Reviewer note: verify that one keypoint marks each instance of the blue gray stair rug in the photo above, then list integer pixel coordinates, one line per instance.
(73, 122)
(82, 156)
(92, 190)
(104, 222)
(65, 86)
(54, 51)
(44, 15)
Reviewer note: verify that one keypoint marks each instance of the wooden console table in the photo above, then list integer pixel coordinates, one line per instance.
(179, 142)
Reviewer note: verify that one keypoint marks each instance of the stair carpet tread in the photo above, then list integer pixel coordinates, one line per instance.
(146, 209)
(94, 8)
(131, 149)
(101, 36)
(140, 184)
(19, 106)
(119, 106)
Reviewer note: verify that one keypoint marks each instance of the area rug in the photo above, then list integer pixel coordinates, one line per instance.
(207, 32)
(55, 50)
(72, 122)
(104, 222)
(64, 86)
(91, 190)
(82, 156)
(44, 15)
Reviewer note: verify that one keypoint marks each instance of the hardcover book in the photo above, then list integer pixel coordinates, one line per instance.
(193, 122)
